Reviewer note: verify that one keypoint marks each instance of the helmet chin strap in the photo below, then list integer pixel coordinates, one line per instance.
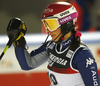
(61, 38)
(46, 39)
(63, 34)
(53, 40)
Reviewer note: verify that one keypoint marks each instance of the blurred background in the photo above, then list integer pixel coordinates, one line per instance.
(30, 12)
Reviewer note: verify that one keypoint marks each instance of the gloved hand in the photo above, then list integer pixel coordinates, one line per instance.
(23, 31)
(20, 43)
(20, 40)
(15, 30)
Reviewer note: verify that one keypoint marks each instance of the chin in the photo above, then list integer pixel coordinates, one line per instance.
(55, 40)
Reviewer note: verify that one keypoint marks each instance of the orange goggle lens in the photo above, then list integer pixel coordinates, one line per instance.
(51, 24)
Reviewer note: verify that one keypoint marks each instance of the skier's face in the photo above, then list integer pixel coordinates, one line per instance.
(55, 33)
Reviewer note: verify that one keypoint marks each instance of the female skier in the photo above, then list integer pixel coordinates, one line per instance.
(70, 62)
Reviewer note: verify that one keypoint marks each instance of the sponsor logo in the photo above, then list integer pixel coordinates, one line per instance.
(51, 46)
(95, 82)
(64, 13)
(66, 43)
(66, 19)
(89, 61)
(69, 54)
(48, 10)
(53, 59)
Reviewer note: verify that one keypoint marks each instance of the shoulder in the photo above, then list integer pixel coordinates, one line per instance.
(82, 54)
(83, 58)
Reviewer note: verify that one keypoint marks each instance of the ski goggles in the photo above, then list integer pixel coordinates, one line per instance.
(54, 23)
(51, 24)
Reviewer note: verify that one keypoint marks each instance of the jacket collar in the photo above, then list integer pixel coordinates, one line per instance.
(64, 44)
